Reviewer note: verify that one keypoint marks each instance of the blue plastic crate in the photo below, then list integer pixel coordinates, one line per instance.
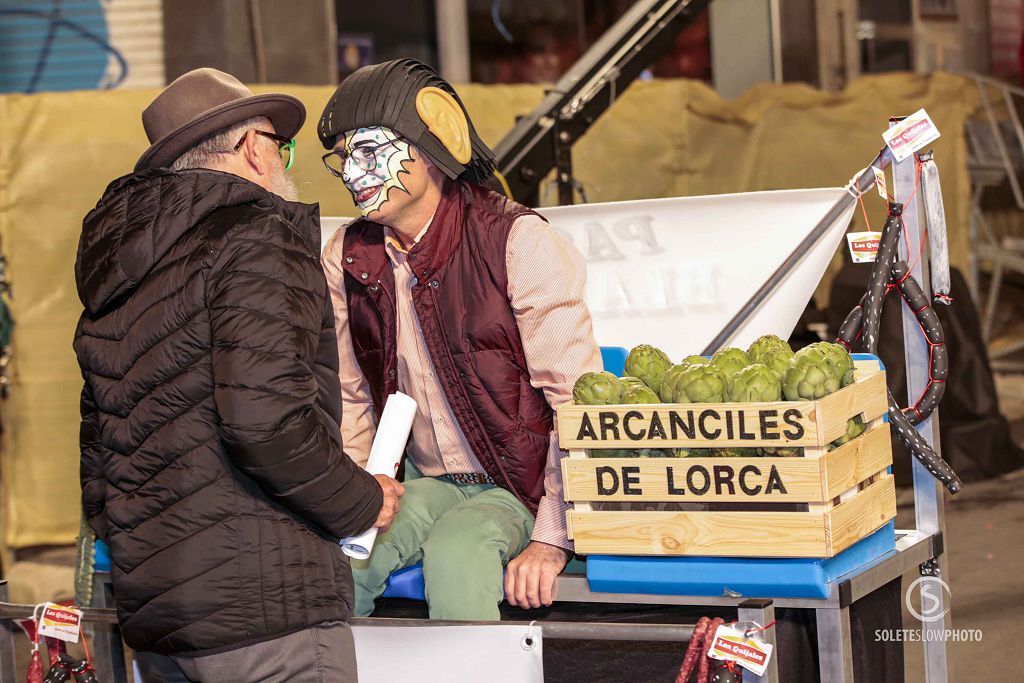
(748, 576)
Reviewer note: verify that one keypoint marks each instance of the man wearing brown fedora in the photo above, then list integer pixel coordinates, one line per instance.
(211, 460)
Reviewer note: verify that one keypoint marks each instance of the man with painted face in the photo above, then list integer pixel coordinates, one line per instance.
(471, 304)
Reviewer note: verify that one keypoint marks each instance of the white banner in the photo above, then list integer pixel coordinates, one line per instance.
(673, 272)
(449, 654)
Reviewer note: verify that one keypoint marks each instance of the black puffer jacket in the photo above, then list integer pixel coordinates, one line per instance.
(211, 454)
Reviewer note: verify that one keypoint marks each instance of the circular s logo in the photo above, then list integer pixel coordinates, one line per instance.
(934, 605)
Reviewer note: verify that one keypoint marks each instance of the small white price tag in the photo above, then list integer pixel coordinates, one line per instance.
(883, 191)
(863, 246)
(910, 134)
(58, 621)
(731, 644)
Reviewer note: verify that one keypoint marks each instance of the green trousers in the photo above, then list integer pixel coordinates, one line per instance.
(464, 534)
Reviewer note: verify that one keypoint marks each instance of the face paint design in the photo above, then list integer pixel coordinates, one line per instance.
(374, 166)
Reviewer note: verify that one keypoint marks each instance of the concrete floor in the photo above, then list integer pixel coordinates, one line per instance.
(985, 544)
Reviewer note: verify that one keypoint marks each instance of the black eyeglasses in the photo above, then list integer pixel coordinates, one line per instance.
(364, 156)
(284, 146)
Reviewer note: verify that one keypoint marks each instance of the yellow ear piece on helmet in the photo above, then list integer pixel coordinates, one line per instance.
(446, 120)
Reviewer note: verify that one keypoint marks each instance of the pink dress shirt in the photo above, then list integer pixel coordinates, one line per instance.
(546, 277)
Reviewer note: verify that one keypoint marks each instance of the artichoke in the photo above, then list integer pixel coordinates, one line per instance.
(771, 351)
(668, 380)
(734, 452)
(698, 384)
(840, 359)
(730, 360)
(631, 453)
(753, 384)
(695, 360)
(854, 428)
(633, 394)
(811, 374)
(597, 389)
(785, 452)
(647, 364)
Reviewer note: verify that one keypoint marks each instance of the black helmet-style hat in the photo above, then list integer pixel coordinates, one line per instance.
(385, 95)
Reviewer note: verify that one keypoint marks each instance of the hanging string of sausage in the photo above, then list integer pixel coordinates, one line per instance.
(863, 324)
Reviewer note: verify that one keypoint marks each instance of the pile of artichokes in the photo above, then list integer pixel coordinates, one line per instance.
(767, 371)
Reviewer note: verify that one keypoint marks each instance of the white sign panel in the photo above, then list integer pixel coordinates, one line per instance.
(449, 654)
(673, 272)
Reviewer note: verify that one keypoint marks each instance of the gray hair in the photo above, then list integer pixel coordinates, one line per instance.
(205, 152)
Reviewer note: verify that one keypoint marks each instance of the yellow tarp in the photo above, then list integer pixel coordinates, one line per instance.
(662, 138)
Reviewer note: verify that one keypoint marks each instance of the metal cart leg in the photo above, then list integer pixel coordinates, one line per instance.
(106, 638)
(8, 672)
(928, 493)
(762, 612)
(835, 653)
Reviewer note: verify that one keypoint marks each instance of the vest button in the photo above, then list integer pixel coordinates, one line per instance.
(374, 288)
(435, 284)
(364, 275)
(349, 259)
(391, 373)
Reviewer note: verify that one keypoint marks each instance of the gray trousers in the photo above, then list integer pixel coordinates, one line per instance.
(324, 653)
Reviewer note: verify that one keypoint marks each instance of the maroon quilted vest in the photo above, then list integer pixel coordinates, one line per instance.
(461, 300)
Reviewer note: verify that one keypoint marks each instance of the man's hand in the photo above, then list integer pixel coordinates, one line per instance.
(530, 578)
(393, 492)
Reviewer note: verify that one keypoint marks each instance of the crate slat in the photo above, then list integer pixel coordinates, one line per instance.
(856, 461)
(866, 397)
(868, 510)
(748, 480)
(628, 426)
(726, 534)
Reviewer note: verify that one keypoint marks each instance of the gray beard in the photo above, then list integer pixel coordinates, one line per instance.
(283, 186)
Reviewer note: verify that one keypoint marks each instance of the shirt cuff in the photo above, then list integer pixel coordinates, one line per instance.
(550, 525)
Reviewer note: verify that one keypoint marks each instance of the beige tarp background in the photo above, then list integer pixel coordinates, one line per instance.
(662, 138)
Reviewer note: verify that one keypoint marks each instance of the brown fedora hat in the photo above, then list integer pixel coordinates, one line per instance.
(202, 102)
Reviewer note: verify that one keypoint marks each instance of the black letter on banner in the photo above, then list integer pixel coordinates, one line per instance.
(703, 488)
(670, 472)
(774, 482)
(703, 428)
(676, 422)
(729, 430)
(609, 423)
(790, 417)
(633, 415)
(656, 430)
(749, 490)
(768, 425)
(723, 477)
(586, 429)
(631, 476)
(603, 490)
(744, 434)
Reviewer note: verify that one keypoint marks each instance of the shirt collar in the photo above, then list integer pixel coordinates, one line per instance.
(393, 245)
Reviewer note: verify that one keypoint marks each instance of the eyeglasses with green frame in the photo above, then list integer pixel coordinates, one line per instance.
(285, 146)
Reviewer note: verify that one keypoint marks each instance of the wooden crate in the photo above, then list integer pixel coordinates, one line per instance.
(811, 506)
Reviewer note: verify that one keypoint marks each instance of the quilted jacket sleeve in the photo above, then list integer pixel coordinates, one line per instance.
(267, 296)
(91, 466)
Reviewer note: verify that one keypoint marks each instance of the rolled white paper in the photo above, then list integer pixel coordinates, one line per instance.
(385, 454)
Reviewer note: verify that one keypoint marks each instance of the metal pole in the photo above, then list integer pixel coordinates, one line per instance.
(453, 40)
(863, 184)
(762, 612)
(8, 673)
(557, 630)
(835, 652)
(928, 493)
